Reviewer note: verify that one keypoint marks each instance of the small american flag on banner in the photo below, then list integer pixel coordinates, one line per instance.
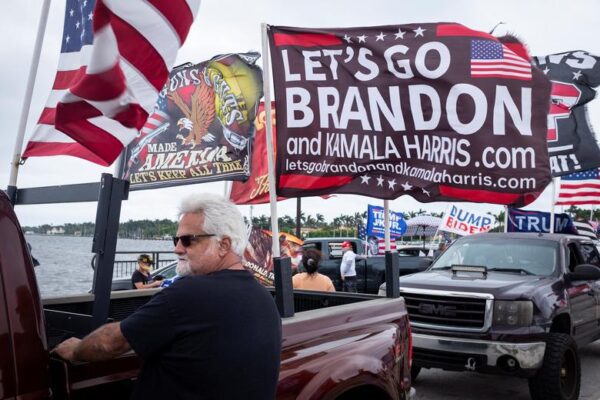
(492, 59)
(580, 188)
(381, 245)
(159, 117)
(114, 60)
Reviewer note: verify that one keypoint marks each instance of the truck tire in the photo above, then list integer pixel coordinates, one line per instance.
(559, 378)
(414, 372)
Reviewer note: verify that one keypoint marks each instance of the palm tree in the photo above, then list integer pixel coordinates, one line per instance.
(320, 220)
(498, 219)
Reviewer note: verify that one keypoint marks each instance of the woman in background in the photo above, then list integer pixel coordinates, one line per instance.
(311, 279)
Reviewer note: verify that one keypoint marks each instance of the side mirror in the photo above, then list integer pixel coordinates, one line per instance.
(585, 272)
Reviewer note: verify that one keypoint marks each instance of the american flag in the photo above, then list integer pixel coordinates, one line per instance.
(585, 228)
(362, 232)
(580, 188)
(115, 58)
(362, 235)
(381, 245)
(492, 59)
(159, 116)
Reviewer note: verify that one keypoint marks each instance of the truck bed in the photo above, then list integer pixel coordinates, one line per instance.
(326, 325)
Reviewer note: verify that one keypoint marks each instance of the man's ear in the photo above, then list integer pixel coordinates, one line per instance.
(225, 244)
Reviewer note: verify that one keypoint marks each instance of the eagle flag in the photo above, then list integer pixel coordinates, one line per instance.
(435, 111)
(115, 58)
(201, 127)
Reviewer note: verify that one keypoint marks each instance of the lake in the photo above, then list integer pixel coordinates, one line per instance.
(65, 261)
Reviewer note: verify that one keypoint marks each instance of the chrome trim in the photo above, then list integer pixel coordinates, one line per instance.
(487, 320)
(529, 355)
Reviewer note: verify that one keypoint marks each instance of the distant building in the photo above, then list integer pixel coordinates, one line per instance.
(57, 230)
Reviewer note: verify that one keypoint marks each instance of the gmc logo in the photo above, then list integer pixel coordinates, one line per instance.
(440, 309)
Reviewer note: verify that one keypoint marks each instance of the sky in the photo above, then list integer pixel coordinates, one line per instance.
(546, 26)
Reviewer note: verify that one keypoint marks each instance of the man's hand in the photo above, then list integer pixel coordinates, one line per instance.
(66, 349)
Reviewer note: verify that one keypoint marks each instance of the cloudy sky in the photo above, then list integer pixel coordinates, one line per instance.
(547, 26)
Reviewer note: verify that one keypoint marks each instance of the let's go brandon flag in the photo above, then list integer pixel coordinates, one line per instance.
(435, 111)
(115, 58)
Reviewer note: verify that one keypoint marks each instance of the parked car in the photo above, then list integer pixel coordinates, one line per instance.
(166, 272)
(370, 272)
(511, 303)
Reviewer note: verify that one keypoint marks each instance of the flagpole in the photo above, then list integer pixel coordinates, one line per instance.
(269, 132)
(227, 185)
(33, 67)
(552, 205)
(386, 224)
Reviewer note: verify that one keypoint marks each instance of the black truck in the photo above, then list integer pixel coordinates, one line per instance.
(510, 303)
(370, 271)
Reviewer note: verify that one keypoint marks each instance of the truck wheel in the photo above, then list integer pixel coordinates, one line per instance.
(414, 372)
(560, 375)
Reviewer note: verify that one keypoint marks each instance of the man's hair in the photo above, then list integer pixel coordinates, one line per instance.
(221, 218)
(311, 259)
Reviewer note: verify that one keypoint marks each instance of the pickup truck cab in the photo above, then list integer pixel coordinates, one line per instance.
(370, 271)
(510, 303)
(335, 346)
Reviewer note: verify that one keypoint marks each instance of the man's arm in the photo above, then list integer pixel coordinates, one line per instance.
(102, 344)
(141, 285)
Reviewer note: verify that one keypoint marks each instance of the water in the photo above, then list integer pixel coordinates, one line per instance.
(65, 261)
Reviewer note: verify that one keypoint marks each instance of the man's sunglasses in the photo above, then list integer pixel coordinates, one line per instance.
(187, 240)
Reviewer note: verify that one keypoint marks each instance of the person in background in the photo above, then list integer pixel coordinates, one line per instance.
(213, 326)
(348, 267)
(311, 279)
(441, 248)
(141, 276)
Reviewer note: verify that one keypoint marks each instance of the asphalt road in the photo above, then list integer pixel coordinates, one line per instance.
(435, 384)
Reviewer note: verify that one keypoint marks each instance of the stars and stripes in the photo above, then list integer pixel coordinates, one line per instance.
(585, 228)
(492, 59)
(115, 58)
(160, 115)
(580, 188)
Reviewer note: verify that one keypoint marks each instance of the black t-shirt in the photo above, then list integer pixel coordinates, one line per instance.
(214, 336)
(137, 276)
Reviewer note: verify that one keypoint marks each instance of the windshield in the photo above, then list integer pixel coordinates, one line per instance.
(532, 257)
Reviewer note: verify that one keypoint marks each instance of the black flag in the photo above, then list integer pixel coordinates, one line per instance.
(572, 146)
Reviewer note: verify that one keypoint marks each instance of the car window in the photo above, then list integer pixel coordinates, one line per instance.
(589, 254)
(167, 272)
(335, 249)
(537, 257)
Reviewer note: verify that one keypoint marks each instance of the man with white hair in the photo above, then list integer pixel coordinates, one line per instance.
(213, 327)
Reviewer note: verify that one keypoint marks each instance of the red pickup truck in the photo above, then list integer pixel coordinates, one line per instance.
(336, 345)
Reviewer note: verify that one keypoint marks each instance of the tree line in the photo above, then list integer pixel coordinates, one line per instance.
(312, 225)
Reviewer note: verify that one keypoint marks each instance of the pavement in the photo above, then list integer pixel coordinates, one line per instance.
(435, 384)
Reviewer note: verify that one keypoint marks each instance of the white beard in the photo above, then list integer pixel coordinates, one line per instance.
(183, 268)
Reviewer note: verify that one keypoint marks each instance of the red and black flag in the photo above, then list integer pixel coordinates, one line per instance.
(435, 111)
(571, 143)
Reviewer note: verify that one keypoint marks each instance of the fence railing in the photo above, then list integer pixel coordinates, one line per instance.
(126, 261)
